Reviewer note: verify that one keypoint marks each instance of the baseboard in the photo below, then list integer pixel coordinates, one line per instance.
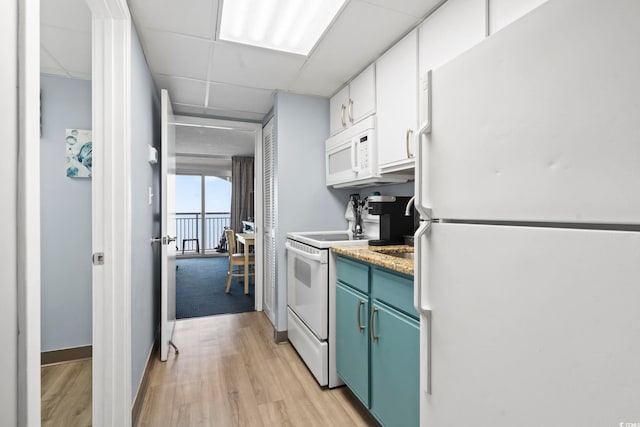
(65, 355)
(280, 336)
(136, 408)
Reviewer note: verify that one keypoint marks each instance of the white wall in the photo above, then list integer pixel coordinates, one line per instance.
(145, 221)
(304, 201)
(65, 202)
(8, 195)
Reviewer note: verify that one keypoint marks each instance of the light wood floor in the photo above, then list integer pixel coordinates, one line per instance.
(230, 373)
(66, 394)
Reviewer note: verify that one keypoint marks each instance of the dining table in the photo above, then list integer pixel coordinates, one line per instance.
(246, 240)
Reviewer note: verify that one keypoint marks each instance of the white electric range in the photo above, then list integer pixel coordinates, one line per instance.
(311, 293)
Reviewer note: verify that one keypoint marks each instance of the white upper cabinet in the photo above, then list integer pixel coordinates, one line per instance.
(362, 100)
(338, 110)
(504, 12)
(454, 28)
(397, 104)
(354, 102)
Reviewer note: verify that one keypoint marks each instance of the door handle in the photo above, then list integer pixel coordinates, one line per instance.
(350, 110)
(360, 327)
(374, 338)
(156, 240)
(344, 123)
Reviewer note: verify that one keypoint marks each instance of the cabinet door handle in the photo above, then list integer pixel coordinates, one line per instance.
(351, 110)
(344, 123)
(371, 332)
(408, 140)
(360, 327)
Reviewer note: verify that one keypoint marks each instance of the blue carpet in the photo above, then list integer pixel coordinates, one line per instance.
(200, 284)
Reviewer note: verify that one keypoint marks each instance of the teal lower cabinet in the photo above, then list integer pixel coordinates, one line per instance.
(378, 341)
(352, 340)
(395, 361)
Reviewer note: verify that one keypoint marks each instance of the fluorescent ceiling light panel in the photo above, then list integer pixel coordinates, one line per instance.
(288, 25)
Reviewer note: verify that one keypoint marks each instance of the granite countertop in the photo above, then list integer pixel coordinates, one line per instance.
(378, 255)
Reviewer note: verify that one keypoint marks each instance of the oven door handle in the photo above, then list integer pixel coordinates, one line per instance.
(313, 257)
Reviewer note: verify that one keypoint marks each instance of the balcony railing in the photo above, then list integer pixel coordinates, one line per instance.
(191, 239)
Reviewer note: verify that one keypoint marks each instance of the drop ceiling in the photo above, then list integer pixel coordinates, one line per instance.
(208, 77)
(209, 151)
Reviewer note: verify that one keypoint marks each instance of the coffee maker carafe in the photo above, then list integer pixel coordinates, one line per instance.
(394, 224)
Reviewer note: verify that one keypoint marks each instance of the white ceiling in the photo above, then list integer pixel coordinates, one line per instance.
(65, 38)
(208, 77)
(218, 146)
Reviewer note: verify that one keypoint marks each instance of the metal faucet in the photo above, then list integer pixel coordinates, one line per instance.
(407, 211)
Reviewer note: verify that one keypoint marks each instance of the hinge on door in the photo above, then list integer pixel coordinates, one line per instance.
(98, 258)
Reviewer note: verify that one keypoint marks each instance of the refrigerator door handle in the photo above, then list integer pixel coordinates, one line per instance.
(418, 273)
(427, 380)
(419, 166)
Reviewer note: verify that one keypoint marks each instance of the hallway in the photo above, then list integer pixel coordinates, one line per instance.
(230, 373)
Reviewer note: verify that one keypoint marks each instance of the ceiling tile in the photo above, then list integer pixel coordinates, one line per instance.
(70, 14)
(191, 17)
(187, 109)
(319, 79)
(417, 8)
(231, 114)
(360, 34)
(79, 75)
(176, 55)
(220, 142)
(48, 64)
(240, 98)
(183, 91)
(71, 49)
(255, 67)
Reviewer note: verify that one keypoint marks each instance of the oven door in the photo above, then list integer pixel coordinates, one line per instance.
(308, 286)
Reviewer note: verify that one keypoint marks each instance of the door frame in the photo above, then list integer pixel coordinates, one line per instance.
(111, 212)
(28, 214)
(111, 232)
(256, 128)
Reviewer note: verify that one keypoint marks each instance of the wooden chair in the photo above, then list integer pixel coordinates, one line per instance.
(236, 261)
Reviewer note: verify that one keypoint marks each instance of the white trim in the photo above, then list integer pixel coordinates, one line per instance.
(257, 212)
(256, 128)
(28, 232)
(111, 210)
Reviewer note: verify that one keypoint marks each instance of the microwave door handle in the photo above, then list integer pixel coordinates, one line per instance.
(354, 160)
(313, 257)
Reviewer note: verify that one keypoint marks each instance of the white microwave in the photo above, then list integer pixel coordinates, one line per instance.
(352, 158)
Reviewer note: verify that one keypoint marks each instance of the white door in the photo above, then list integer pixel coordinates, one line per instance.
(168, 227)
(531, 326)
(269, 215)
(529, 126)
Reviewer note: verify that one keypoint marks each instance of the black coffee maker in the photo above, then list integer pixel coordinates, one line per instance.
(394, 224)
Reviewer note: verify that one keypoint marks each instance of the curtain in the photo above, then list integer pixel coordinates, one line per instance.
(242, 172)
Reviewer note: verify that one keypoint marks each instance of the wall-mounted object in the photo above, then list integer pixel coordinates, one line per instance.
(79, 153)
(153, 155)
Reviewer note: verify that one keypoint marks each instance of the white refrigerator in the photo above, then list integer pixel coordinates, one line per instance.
(528, 256)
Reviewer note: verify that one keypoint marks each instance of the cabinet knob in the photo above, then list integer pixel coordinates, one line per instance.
(408, 141)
